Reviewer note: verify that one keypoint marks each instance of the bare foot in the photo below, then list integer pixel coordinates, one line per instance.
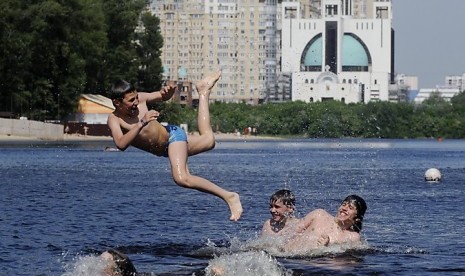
(235, 206)
(205, 85)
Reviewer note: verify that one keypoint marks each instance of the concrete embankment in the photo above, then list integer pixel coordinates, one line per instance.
(31, 129)
(12, 130)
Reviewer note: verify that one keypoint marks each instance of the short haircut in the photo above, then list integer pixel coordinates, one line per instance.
(123, 263)
(361, 207)
(119, 89)
(286, 197)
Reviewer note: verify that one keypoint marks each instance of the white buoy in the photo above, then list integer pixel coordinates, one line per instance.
(433, 175)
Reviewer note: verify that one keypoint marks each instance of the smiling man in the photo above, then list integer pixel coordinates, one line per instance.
(282, 205)
(319, 227)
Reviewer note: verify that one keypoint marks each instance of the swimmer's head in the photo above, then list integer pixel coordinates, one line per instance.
(361, 207)
(119, 89)
(119, 264)
(285, 196)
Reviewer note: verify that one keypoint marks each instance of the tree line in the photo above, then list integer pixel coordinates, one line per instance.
(434, 118)
(55, 50)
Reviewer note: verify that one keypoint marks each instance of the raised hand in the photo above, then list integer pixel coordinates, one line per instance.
(168, 90)
(323, 240)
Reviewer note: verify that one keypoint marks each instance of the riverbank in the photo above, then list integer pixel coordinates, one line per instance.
(70, 138)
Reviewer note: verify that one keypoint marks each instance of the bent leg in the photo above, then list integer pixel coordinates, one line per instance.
(177, 153)
(206, 140)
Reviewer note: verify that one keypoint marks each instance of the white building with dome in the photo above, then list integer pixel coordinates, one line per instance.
(337, 56)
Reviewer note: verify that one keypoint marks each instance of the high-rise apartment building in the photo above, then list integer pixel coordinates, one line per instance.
(231, 35)
(248, 40)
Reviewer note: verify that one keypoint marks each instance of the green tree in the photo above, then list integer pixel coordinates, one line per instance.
(150, 42)
(15, 58)
(121, 60)
(458, 103)
(57, 72)
(54, 50)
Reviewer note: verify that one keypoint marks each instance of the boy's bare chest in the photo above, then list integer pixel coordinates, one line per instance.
(127, 124)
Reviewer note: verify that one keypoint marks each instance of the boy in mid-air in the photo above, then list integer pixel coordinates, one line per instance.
(133, 124)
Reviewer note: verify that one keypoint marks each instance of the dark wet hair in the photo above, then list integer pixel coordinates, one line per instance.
(123, 263)
(286, 196)
(361, 207)
(119, 89)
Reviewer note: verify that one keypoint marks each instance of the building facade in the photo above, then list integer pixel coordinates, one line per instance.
(444, 92)
(260, 44)
(453, 85)
(456, 81)
(231, 35)
(338, 57)
(404, 89)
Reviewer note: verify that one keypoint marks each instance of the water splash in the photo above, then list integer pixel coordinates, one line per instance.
(259, 256)
(249, 263)
(86, 266)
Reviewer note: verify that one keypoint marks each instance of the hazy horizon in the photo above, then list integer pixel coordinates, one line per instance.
(429, 41)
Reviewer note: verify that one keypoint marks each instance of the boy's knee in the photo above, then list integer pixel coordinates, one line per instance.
(182, 181)
(210, 142)
(211, 145)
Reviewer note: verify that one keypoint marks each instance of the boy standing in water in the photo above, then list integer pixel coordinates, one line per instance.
(283, 225)
(282, 207)
(133, 124)
(317, 228)
(321, 228)
(118, 264)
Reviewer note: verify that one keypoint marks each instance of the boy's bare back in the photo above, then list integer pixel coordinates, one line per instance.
(321, 225)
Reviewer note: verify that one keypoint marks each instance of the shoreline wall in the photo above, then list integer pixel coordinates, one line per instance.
(28, 128)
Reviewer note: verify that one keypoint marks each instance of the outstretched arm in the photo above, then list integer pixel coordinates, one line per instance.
(165, 93)
(308, 220)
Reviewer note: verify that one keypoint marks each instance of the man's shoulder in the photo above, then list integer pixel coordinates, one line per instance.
(266, 228)
(113, 118)
(113, 115)
(319, 212)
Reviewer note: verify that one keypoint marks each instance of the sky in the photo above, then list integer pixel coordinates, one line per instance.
(429, 39)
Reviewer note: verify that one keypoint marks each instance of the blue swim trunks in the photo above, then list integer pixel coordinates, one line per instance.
(176, 134)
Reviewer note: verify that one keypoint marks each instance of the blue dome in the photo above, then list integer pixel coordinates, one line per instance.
(314, 53)
(353, 52)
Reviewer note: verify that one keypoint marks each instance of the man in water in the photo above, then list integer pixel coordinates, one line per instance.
(321, 228)
(118, 264)
(133, 124)
(282, 206)
(297, 236)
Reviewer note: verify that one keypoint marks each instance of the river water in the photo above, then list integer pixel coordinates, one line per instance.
(61, 204)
